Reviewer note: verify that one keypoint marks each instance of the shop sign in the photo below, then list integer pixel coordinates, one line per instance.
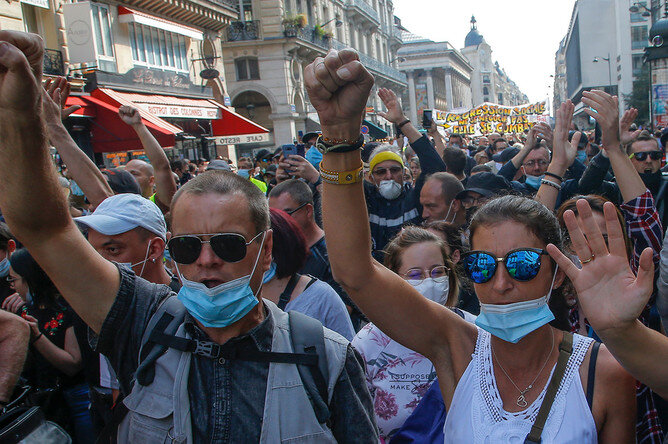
(79, 30)
(181, 112)
(242, 139)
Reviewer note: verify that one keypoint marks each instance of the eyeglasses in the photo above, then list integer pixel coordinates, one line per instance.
(296, 209)
(522, 264)
(641, 156)
(470, 201)
(230, 247)
(383, 171)
(419, 274)
(11, 279)
(532, 163)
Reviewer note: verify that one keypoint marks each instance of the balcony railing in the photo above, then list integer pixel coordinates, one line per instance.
(375, 65)
(307, 34)
(396, 33)
(53, 62)
(232, 4)
(366, 9)
(238, 31)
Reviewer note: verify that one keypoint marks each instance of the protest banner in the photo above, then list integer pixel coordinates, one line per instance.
(491, 118)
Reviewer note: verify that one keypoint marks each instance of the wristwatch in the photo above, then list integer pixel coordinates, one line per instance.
(344, 147)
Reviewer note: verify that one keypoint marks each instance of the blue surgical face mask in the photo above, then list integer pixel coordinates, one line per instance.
(244, 173)
(222, 305)
(4, 267)
(29, 297)
(269, 274)
(533, 181)
(512, 322)
(581, 156)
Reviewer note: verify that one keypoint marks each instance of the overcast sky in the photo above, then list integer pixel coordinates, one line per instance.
(524, 34)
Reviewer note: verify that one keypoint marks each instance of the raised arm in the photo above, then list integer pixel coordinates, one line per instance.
(32, 203)
(395, 114)
(14, 336)
(82, 169)
(612, 296)
(165, 186)
(603, 108)
(338, 87)
(563, 155)
(439, 141)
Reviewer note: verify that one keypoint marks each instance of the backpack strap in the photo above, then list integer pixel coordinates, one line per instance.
(565, 352)
(287, 292)
(311, 282)
(166, 320)
(591, 374)
(307, 336)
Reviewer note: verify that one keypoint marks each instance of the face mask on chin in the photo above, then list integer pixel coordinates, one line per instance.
(533, 181)
(512, 322)
(389, 189)
(224, 304)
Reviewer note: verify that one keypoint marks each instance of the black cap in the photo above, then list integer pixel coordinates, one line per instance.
(121, 181)
(263, 154)
(218, 164)
(487, 184)
(308, 136)
(506, 155)
(278, 151)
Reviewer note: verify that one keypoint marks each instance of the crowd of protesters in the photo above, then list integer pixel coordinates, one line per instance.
(433, 288)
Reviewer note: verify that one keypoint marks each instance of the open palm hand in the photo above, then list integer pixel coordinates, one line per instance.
(609, 293)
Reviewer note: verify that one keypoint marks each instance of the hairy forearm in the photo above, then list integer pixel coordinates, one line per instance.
(547, 195)
(14, 337)
(30, 197)
(637, 347)
(82, 169)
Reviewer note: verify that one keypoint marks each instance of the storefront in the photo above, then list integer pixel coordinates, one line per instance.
(183, 117)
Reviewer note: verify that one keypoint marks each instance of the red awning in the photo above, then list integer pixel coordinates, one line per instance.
(233, 124)
(86, 110)
(111, 134)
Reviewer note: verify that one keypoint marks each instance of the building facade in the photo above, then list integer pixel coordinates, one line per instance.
(265, 55)
(489, 82)
(439, 76)
(603, 49)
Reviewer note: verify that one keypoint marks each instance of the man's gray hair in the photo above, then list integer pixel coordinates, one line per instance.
(383, 148)
(226, 182)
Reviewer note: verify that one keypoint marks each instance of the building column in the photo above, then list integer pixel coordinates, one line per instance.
(284, 128)
(411, 97)
(431, 102)
(448, 90)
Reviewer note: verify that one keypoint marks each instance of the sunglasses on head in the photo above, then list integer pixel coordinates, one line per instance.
(641, 156)
(522, 264)
(230, 247)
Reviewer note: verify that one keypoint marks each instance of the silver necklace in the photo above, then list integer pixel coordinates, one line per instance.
(521, 400)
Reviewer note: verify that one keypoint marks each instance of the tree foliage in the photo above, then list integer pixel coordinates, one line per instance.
(639, 97)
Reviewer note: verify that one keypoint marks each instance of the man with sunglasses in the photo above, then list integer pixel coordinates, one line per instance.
(222, 244)
(391, 202)
(646, 156)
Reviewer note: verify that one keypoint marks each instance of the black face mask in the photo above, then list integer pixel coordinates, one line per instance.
(652, 181)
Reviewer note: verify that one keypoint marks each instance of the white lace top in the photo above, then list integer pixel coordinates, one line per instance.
(477, 415)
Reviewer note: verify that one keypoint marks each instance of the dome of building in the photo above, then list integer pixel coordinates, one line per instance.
(473, 38)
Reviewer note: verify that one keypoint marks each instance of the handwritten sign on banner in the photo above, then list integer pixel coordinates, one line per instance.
(491, 118)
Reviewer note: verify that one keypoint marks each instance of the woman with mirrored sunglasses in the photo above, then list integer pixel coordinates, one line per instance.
(398, 377)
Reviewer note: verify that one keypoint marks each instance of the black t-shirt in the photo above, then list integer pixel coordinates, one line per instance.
(53, 322)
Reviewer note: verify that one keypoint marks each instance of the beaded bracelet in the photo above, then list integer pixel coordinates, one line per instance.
(550, 183)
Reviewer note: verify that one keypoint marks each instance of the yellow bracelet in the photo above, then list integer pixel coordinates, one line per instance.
(341, 177)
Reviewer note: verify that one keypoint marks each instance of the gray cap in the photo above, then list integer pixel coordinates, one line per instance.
(124, 212)
(218, 164)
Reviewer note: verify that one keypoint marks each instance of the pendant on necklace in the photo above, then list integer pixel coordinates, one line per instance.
(521, 401)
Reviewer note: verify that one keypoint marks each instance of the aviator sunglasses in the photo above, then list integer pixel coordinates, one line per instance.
(522, 264)
(641, 156)
(230, 247)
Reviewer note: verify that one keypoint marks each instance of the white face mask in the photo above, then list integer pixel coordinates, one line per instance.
(498, 165)
(436, 290)
(389, 189)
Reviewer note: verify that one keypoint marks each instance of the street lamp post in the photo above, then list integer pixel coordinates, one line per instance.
(607, 59)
